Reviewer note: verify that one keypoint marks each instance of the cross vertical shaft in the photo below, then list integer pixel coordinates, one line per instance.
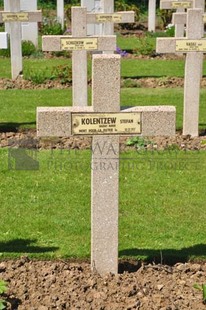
(105, 167)
(79, 58)
(193, 70)
(15, 39)
(152, 15)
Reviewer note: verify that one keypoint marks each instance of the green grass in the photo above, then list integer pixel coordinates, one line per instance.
(129, 67)
(18, 107)
(36, 65)
(165, 96)
(46, 213)
(151, 68)
(158, 206)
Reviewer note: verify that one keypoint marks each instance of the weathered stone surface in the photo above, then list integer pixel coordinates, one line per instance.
(105, 179)
(156, 120)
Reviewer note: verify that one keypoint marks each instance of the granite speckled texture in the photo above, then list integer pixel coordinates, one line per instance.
(156, 120)
(105, 163)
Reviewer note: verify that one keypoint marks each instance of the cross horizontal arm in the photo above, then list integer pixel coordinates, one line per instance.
(179, 18)
(117, 17)
(56, 121)
(53, 43)
(166, 45)
(168, 4)
(30, 16)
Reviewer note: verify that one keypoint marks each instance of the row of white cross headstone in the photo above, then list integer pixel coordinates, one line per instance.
(80, 18)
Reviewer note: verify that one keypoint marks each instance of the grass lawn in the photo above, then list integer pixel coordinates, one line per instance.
(18, 107)
(129, 67)
(46, 213)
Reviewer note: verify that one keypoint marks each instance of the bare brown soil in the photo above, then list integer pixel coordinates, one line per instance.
(28, 139)
(141, 82)
(46, 285)
(163, 82)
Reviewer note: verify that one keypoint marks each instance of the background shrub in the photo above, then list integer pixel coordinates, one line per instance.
(28, 48)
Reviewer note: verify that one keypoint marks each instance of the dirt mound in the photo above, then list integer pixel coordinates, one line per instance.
(46, 285)
(28, 139)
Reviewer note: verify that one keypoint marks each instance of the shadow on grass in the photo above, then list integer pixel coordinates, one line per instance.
(14, 127)
(167, 256)
(24, 246)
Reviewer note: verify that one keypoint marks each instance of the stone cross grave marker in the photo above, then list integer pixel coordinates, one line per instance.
(15, 17)
(60, 12)
(29, 30)
(108, 18)
(80, 17)
(108, 7)
(105, 122)
(181, 18)
(152, 15)
(95, 7)
(194, 45)
(180, 7)
(3, 40)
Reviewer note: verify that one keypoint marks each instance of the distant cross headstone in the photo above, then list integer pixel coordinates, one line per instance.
(3, 40)
(181, 18)
(106, 17)
(108, 7)
(93, 6)
(152, 15)
(109, 19)
(29, 29)
(15, 17)
(60, 12)
(80, 18)
(104, 121)
(180, 7)
(194, 45)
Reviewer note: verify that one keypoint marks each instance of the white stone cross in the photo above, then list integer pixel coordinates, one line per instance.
(29, 29)
(93, 6)
(108, 8)
(3, 40)
(103, 14)
(105, 122)
(181, 18)
(152, 15)
(60, 12)
(80, 18)
(194, 45)
(15, 17)
(180, 7)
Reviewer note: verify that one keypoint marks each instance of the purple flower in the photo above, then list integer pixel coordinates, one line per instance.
(121, 52)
